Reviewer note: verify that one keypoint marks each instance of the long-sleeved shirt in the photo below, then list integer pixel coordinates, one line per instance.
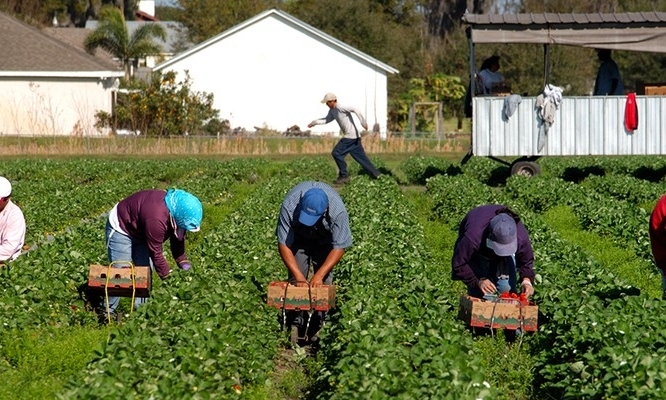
(489, 77)
(144, 216)
(472, 235)
(335, 224)
(658, 233)
(343, 115)
(608, 72)
(12, 232)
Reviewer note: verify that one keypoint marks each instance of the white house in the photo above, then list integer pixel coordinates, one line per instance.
(273, 70)
(48, 87)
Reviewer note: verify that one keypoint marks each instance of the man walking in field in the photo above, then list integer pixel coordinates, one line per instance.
(350, 142)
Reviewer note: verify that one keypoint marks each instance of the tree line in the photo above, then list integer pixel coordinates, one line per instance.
(424, 39)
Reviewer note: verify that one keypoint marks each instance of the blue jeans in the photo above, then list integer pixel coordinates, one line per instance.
(120, 247)
(500, 270)
(355, 148)
(305, 253)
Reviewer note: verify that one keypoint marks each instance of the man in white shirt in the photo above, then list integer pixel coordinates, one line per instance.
(12, 224)
(489, 73)
(350, 143)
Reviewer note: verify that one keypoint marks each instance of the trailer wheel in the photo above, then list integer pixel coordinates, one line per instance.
(525, 168)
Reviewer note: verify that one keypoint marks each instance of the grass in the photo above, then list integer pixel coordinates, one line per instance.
(228, 146)
(621, 262)
(36, 364)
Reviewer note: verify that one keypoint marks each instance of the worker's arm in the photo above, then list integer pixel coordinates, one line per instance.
(290, 262)
(331, 261)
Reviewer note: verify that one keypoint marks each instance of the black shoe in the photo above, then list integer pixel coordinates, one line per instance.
(341, 180)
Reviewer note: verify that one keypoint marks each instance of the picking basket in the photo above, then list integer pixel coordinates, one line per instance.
(284, 295)
(130, 281)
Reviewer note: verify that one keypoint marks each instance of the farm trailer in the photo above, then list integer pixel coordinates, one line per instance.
(584, 125)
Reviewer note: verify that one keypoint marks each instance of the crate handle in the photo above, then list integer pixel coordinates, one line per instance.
(106, 284)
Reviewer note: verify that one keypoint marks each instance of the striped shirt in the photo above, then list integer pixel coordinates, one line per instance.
(12, 232)
(337, 222)
(343, 115)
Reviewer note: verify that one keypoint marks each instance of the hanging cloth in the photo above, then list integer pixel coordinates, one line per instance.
(546, 106)
(631, 113)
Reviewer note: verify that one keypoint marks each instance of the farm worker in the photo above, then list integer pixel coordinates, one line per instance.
(139, 225)
(492, 248)
(312, 228)
(12, 224)
(350, 143)
(609, 82)
(489, 73)
(658, 239)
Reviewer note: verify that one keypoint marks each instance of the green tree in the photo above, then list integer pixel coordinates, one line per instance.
(112, 35)
(164, 107)
(207, 18)
(387, 31)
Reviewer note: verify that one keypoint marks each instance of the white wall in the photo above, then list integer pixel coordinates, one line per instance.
(272, 75)
(147, 6)
(54, 106)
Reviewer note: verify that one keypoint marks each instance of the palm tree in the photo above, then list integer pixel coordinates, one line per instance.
(112, 35)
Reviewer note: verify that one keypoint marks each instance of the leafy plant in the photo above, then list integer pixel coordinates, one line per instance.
(164, 107)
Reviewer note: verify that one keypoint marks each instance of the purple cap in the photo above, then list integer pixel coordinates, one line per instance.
(503, 238)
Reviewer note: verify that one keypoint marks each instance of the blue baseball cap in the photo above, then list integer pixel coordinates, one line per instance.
(313, 205)
(502, 236)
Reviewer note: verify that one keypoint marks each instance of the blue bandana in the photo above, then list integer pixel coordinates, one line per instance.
(185, 209)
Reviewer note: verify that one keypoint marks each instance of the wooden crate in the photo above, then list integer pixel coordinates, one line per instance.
(500, 314)
(120, 280)
(282, 294)
(651, 89)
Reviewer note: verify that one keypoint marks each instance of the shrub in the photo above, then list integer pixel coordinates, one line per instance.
(164, 107)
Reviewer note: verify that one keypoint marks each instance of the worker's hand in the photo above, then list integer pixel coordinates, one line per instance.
(365, 127)
(300, 282)
(316, 281)
(310, 125)
(486, 286)
(527, 287)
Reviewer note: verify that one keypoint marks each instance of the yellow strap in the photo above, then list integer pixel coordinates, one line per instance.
(106, 286)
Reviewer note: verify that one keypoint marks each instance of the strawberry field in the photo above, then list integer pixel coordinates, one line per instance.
(207, 334)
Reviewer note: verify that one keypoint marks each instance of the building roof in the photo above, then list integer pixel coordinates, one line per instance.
(635, 31)
(289, 20)
(76, 37)
(635, 18)
(27, 51)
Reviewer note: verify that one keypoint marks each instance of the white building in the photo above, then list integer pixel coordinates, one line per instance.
(48, 87)
(273, 70)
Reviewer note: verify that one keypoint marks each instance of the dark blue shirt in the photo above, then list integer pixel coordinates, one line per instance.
(472, 235)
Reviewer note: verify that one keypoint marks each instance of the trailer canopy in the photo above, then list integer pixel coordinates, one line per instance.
(638, 31)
